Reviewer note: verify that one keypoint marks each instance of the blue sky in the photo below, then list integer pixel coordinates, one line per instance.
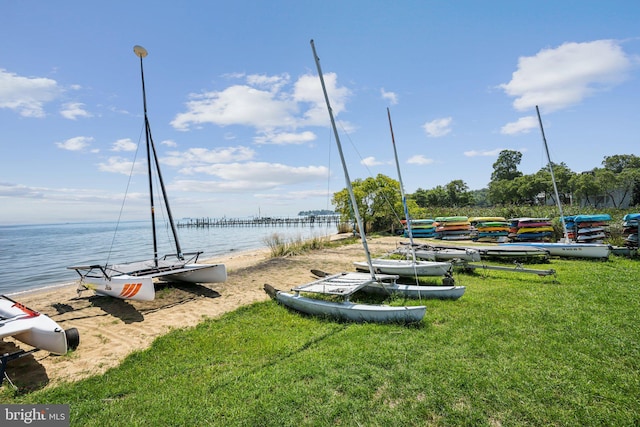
(237, 113)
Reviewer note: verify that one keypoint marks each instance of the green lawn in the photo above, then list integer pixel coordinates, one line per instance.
(515, 350)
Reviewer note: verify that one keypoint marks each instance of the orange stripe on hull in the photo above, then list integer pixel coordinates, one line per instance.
(130, 290)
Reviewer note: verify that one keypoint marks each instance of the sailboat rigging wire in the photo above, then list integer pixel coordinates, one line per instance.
(362, 162)
(404, 201)
(329, 172)
(124, 199)
(344, 164)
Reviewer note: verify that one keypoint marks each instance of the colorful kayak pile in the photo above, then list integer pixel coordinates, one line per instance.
(422, 228)
(489, 229)
(630, 229)
(453, 228)
(530, 229)
(587, 228)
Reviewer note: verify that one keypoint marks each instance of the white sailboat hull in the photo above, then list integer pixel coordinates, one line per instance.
(199, 273)
(469, 255)
(405, 268)
(416, 291)
(348, 311)
(124, 286)
(140, 287)
(571, 250)
(32, 328)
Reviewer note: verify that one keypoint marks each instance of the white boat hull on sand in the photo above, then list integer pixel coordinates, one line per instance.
(35, 329)
(405, 268)
(140, 287)
(570, 250)
(199, 273)
(346, 310)
(136, 288)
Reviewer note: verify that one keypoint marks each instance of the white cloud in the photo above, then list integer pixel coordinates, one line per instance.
(370, 161)
(123, 166)
(308, 92)
(78, 143)
(21, 191)
(279, 196)
(564, 76)
(195, 157)
(522, 125)
(438, 127)
(389, 96)
(272, 83)
(73, 110)
(169, 143)
(57, 194)
(26, 95)
(483, 153)
(419, 159)
(250, 177)
(285, 138)
(124, 145)
(270, 104)
(236, 105)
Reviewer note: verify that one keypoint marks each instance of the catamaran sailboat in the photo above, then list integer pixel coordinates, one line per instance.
(135, 280)
(346, 284)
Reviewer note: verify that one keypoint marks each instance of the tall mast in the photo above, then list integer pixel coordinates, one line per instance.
(404, 199)
(151, 148)
(363, 237)
(555, 188)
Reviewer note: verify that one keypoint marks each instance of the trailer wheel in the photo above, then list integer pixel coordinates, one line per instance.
(73, 338)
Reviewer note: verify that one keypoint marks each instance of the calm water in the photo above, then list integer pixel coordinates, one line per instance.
(37, 256)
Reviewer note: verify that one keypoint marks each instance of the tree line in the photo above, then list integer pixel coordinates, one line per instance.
(379, 200)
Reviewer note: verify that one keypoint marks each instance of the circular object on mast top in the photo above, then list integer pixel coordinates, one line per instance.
(140, 51)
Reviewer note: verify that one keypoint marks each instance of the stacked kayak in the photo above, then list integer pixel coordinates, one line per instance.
(530, 229)
(587, 228)
(489, 229)
(630, 229)
(453, 228)
(422, 228)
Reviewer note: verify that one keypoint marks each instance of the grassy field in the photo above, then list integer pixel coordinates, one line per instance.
(515, 350)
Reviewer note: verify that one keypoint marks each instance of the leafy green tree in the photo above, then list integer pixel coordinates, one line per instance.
(377, 200)
(585, 187)
(620, 162)
(608, 182)
(627, 181)
(505, 171)
(481, 197)
(628, 168)
(458, 194)
(563, 176)
(504, 192)
(454, 194)
(506, 166)
(531, 189)
(420, 197)
(385, 202)
(437, 197)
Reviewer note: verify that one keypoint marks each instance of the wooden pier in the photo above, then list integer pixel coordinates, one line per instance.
(298, 221)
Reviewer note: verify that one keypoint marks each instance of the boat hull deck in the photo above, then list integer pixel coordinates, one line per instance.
(346, 310)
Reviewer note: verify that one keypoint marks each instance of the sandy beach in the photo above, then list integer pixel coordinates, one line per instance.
(110, 328)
